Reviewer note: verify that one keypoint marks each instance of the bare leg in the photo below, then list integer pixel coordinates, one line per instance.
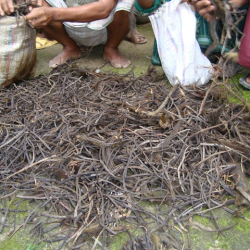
(134, 36)
(117, 31)
(43, 35)
(70, 50)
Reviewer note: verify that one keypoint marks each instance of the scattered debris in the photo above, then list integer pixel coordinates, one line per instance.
(91, 148)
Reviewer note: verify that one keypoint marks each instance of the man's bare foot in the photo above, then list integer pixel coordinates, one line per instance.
(136, 37)
(65, 55)
(245, 81)
(115, 58)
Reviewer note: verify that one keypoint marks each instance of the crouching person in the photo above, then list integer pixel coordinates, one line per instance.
(87, 23)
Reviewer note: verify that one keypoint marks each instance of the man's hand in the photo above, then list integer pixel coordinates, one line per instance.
(40, 17)
(205, 8)
(34, 3)
(6, 7)
(238, 3)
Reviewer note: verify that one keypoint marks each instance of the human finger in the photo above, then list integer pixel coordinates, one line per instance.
(40, 2)
(35, 3)
(39, 17)
(208, 17)
(207, 13)
(201, 4)
(6, 7)
(32, 4)
(1, 12)
(204, 8)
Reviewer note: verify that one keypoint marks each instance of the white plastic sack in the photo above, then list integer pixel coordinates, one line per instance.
(174, 26)
(17, 50)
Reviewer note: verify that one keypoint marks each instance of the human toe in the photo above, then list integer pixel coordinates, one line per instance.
(245, 81)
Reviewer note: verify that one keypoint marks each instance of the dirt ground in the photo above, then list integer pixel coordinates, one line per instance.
(139, 55)
(203, 237)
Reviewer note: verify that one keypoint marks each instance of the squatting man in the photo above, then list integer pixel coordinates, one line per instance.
(88, 23)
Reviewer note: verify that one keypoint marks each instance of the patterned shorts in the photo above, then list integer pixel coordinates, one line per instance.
(92, 33)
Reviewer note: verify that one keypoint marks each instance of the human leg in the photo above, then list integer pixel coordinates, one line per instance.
(117, 31)
(42, 41)
(136, 37)
(56, 31)
(70, 49)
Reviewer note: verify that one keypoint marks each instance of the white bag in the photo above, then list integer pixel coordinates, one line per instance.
(17, 50)
(174, 26)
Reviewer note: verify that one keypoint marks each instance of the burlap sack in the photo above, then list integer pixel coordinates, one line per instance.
(17, 50)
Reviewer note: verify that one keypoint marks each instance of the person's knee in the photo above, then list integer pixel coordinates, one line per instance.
(121, 18)
(122, 14)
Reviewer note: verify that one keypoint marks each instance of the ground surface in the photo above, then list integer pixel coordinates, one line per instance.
(139, 55)
(203, 239)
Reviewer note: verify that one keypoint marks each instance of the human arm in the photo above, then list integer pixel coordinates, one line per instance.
(206, 9)
(40, 17)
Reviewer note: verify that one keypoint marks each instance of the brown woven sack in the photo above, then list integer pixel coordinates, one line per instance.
(17, 50)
